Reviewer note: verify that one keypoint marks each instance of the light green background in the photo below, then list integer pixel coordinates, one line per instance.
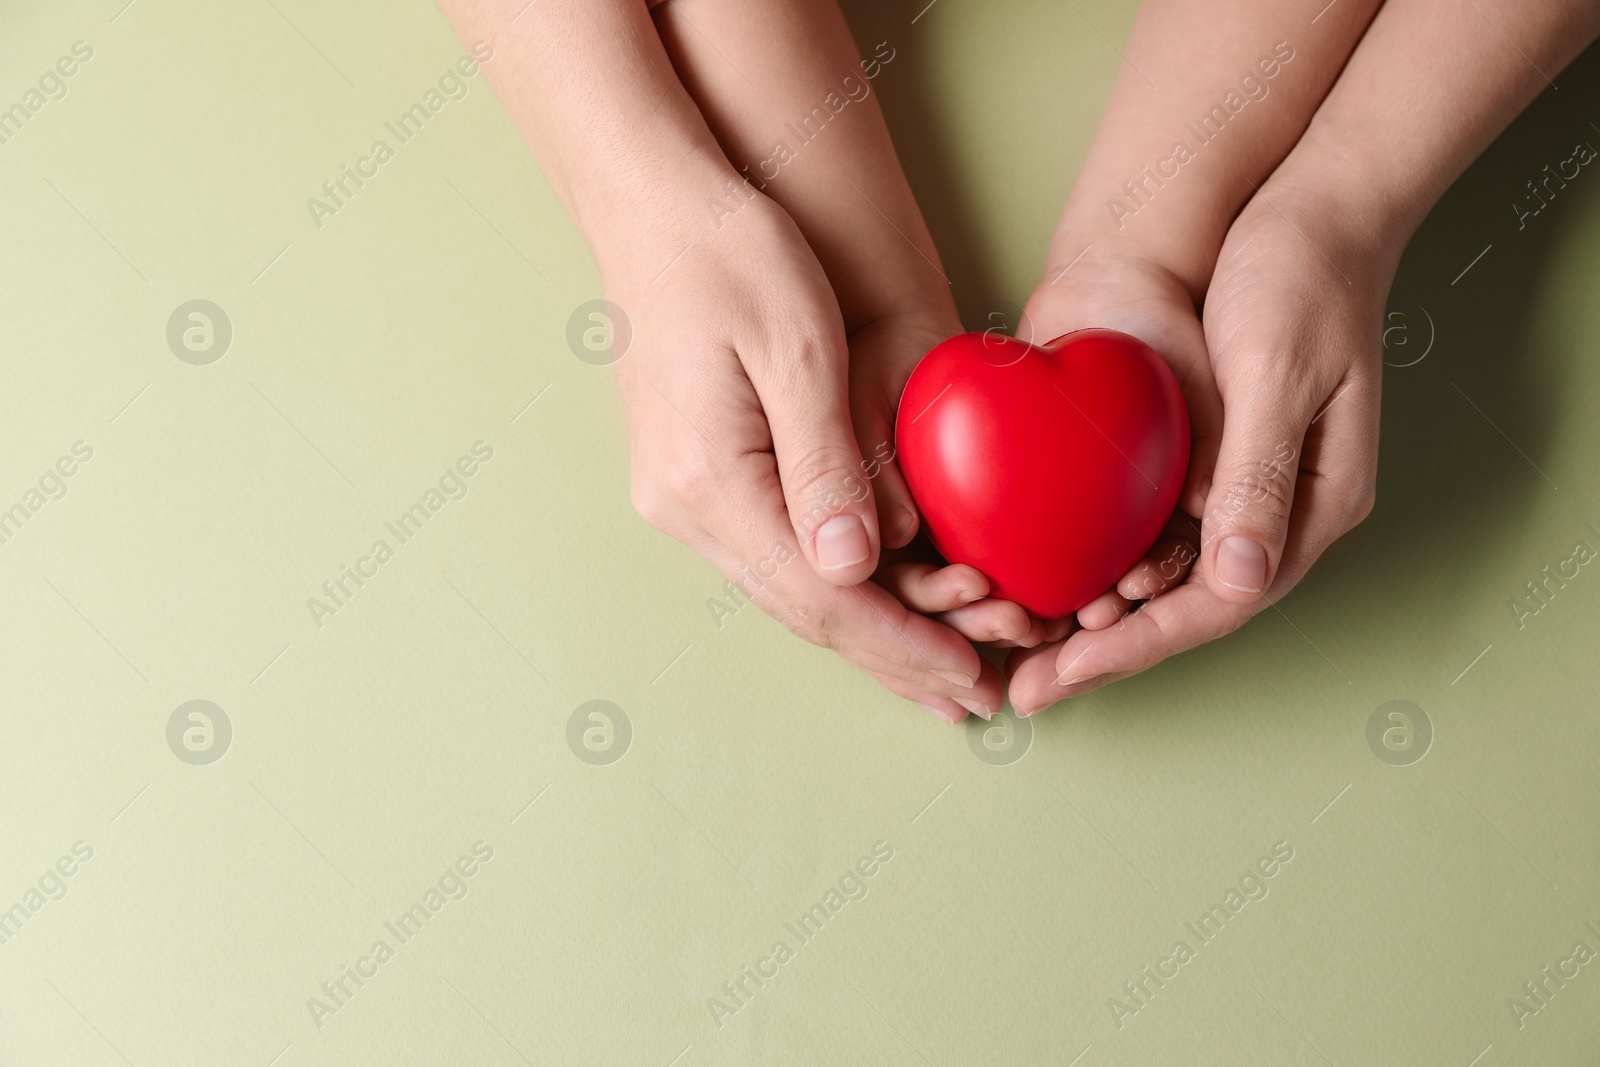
(372, 752)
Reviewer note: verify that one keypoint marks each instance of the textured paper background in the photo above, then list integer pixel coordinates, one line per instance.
(431, 711)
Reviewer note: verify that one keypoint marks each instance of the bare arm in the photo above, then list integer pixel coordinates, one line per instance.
(736, 385)
(1433, 83)
(1293, 317)
(1212, 98)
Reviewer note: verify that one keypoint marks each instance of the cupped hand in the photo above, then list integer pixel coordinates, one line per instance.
(736, 393)
(1283, 385)
(882, 356)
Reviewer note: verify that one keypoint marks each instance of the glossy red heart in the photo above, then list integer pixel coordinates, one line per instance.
(1052, 469)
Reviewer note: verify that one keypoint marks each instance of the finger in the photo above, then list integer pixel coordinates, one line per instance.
(1331, 496)
(951, 710)
(929, 588)
(1023, 655)
(1205, 443)
(875, 631)
(1104, 610)
(1039, 632)
(864, 623)
(1025, 663)
(957, 596)
(1246, 516)
(872, 411)
(898, 517)
(830, 500)
(733, 514)
(1056, 629)
(1019, 658)
(1337, 486)
(883, 354)
(990, 621)
(1186, 617)
(1083, 688)
(1164, 567)
(1183, 346)
(943, 708)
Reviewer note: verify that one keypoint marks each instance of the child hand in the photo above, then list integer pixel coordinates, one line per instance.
(882, 356)
(1292, 327)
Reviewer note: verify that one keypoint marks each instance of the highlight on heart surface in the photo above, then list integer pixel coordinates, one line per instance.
(1050, 468)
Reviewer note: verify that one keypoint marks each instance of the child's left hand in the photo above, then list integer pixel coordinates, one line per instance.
(883, 353)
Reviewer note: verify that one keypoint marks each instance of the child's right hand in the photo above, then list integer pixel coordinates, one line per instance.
(736, 393)
(1281, 380)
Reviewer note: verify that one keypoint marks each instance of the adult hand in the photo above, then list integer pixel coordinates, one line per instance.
(743, 448)
(1291, 349)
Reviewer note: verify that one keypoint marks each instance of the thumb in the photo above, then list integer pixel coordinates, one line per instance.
(1248, 506)
(825, 487)
(883, 355)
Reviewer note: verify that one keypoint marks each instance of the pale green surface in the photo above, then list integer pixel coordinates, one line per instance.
(379, 748)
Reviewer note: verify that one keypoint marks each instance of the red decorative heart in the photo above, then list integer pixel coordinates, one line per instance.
(1050, 469)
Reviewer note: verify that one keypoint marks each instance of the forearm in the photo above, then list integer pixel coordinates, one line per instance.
(589, 86)
(1404, 122)
(1212, 97)
(806, 131)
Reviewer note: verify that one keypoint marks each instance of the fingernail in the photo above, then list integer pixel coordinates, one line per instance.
(1025, 713)
(1242, 564)
(905, 524)
(969, 594)
(980, 710)
(943, 713)
(1076, 679)
(964, 681)
(842, 542)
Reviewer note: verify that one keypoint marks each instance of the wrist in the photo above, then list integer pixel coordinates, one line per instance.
(922, 307)
(637, 216)
(1082, 263)
(1356, 213)
(1178, 234)
(933, 323)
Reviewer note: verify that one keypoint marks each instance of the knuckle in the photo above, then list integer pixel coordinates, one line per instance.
(650, 507)
(689, 479)
(1273, 497)
(666, 485)
(809, 356)
(1258, 498)
(809, 622)
(651, 500)
(1006, 626)
(820, 482)
(1234, 619)
(1365, 499)
(819, 467)
(1160, 638)
(792, 350)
